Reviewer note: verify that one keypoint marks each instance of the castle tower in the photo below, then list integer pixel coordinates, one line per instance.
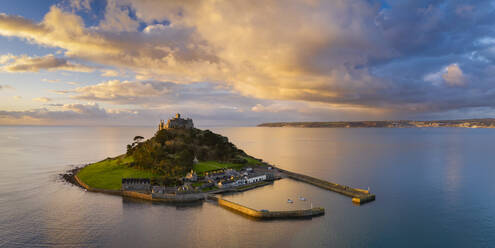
(161, 125)
(176, 122)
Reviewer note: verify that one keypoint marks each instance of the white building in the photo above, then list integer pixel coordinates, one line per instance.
(256, 178)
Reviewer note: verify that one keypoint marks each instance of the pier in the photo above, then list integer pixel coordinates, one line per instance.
(266, 214)
(359, 196)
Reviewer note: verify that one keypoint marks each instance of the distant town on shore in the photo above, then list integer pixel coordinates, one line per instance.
(466, 123)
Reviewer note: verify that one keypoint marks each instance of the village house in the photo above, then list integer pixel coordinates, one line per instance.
(226, 183)
(191, 176)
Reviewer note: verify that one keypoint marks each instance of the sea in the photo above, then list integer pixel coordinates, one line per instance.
(435, 187)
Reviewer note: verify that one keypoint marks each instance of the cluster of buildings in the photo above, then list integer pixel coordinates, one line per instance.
(222, 179)
(227, 178)
(176, 122)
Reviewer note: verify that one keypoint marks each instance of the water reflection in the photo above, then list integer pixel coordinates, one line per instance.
(275, 196)
(128, 202)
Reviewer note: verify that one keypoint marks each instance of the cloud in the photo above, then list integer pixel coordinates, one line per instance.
(58, 81)
(69, 114)
(159, 94)
(61, 92)
(50, 80)
(261, 62)
(115, 90)
(80, 4)
(109, 73)
(164, 53)
(453, 75)
(6, 58)
(273, 108)
(90, 108)
(450, 75)
(49, 62)
(42, 99)
(340, 53)
(118, 19)
(4, 87)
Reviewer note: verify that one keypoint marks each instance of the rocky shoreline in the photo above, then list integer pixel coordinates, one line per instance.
(70, 176)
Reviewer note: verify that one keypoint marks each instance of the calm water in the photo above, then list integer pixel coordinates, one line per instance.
(434, 187)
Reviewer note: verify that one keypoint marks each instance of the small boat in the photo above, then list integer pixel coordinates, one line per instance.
(289, 201)
(302, 198)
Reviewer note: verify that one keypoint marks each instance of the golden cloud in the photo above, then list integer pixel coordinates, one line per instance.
(42, 99)
(302, 50)
(114, 90)
(49, 62)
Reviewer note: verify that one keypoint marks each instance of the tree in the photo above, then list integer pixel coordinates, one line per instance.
(138, 139)
(170, 153)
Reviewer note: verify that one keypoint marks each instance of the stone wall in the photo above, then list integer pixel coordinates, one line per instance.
(178, 197)
(358, 195)
(239, 208)
(139, 195)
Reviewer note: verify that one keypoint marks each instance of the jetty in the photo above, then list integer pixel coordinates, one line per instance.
(359, 196)
(266, 214)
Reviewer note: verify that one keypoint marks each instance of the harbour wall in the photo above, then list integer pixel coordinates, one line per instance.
(178, 198)
(359, 196)
(303, 213)
(139, 195)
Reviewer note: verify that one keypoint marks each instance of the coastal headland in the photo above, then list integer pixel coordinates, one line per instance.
(182, 164)
(465, 123)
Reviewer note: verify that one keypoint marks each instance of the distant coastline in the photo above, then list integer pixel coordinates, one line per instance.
(466, 123)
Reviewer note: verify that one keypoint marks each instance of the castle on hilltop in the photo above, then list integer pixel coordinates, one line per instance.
(176, 122)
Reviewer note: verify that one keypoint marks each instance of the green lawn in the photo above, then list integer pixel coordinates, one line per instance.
(204, 166)
(252, 161)
(108, 174)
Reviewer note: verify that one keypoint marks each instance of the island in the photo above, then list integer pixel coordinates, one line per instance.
(182, 164)
(466, 123)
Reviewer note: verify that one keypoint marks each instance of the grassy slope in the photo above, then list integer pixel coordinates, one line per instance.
(213, 165)
(108, 174)
(252, 161)
(204, 166)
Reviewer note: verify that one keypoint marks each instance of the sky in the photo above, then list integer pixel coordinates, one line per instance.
(240, 63)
